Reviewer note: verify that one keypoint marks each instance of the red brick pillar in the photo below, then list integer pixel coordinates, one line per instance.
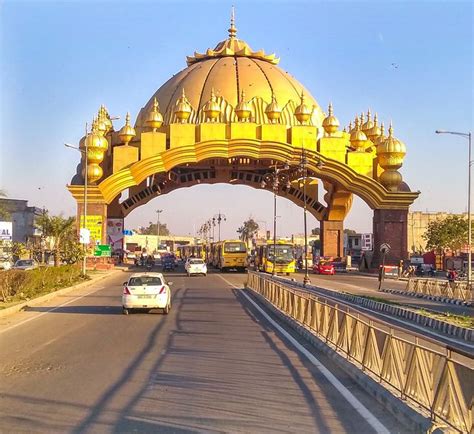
(390, 226)
(332, 238)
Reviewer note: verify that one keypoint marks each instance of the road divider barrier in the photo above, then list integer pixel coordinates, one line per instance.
(439, 288)
(440, 382)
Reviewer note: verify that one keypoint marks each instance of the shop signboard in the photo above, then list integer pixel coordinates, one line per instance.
(6, 231)
(103, 250)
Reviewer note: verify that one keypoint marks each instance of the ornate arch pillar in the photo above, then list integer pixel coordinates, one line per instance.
(332, 225)
(96, 212)
(390, 226)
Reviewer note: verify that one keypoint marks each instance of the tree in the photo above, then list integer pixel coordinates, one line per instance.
(60, 230)
(151, 229)
(350, 232)
(248, 230)
(316, 231)
(449, 233)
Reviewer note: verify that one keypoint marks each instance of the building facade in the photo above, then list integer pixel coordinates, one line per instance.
(418, 222)
(23, 218)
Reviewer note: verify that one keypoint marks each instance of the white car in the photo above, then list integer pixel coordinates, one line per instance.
(146, 291)
(25, 264)
(195, 266)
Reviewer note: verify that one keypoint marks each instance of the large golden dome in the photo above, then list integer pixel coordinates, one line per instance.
(229, 69)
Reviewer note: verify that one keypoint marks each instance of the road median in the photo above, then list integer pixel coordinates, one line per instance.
(94, 278)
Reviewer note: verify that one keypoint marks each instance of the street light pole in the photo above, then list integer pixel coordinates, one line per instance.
(219, 217)
(275, 178)
(158, 212)
(306, 278)
(469, 229)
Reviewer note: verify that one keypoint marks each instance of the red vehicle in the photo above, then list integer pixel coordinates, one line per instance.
(324, 268)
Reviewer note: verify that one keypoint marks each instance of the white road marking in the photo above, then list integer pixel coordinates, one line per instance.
(50, 310)
(353, 401)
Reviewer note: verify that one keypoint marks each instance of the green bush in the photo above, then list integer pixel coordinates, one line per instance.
(17, 284)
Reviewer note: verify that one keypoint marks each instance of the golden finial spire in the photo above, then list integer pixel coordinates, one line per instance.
(212, 108)
(303, 112)
(273, 111)
(232, 30)
(330, 122)
(183, 108)
(390, 130)
(154, 118)
(358, 138)
(350, 126)
(361, 119)
(243, 110)
(127, 132)
(369, 114)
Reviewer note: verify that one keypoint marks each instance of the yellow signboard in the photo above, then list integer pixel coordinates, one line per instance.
(94, 224)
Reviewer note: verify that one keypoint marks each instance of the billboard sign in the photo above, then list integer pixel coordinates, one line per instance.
(115, 234)
(6, 231)
(94, 225)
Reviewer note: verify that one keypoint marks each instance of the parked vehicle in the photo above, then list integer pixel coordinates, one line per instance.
(146, 291)
(195, 266)
(25, 264)
(324, 268)
(168, 263)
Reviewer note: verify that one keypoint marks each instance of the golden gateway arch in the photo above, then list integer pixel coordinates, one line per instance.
(228, 117)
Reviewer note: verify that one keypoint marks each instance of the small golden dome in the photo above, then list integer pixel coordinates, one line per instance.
(212, 109)
(391, 145)
(368, 124)
(96, 139)
(243, 109)
(374, 132)
(95, 155)
(183, 108)
(127, 132)
(358, 138)
(94, 172)
(330, 123)
(273, 111)
(154, 118)
(303, 112)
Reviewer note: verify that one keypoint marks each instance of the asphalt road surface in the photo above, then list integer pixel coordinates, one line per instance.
(214, 364)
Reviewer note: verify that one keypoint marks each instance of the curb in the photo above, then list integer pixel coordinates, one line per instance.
(35, 301)
(400, 409)
(430, 297)
(449, 329)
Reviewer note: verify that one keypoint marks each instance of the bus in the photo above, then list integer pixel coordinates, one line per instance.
(192, 251)
(285, 258)
(229, 254)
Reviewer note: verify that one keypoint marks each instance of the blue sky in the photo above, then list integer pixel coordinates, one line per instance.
(61, 60)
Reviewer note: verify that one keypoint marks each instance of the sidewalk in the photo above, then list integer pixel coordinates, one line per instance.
(43, 298)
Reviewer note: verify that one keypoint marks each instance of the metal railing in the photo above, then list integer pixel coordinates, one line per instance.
(441, 382)
(439, 288)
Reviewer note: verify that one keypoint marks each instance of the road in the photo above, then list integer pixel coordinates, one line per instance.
(214, 364)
